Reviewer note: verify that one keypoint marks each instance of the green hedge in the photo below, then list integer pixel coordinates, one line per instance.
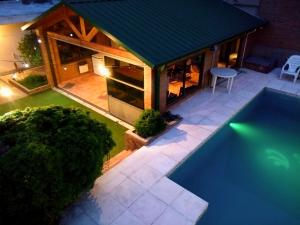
(33, 81)
(149, 123)
(49, 156)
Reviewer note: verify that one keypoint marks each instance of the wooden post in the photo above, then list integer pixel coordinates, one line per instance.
(241, 51)
(163, 89)
(148, 88)
(46, 59)
(55, 58)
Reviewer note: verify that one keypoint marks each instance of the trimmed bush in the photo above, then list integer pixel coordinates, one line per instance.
(30, 50)
(150, 123)
(33, 81)
(49, 157)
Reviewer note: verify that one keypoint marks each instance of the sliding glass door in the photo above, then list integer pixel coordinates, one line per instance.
(229, 53)
(184, 77)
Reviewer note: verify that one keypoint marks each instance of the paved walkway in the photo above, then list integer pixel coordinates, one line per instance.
(137, 191)
(8, 92)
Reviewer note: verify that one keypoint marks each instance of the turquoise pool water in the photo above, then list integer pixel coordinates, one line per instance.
(249, 171)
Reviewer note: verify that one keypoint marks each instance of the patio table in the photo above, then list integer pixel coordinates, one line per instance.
(224, 73)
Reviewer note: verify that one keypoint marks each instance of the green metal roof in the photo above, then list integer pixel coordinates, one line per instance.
(160, 31)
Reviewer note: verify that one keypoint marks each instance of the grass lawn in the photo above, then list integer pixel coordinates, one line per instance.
(54, 98)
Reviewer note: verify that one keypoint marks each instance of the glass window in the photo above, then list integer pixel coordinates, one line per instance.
(184, 77)
(125, 72)
(125, 93)
(229, 53)
(71, 53)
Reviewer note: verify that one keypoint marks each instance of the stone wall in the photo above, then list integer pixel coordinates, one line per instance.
(283, 30)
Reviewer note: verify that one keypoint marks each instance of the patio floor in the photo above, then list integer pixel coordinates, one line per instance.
(137, 191)
(90, 87)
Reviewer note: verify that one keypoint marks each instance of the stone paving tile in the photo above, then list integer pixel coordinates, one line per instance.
(166, 190)
(209, 124)
(127, 192)
(104, 184)
(234, 104)
(194, 130)
(218, 116)
(138, 159)
(146, 176)
(103, 211)
(147, 208)
(175, 152)
(127, 218)
(162, 163)
(227, 111)
(190, 205)
(172, 217)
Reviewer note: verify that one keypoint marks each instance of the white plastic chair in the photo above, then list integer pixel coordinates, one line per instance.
(291, 67)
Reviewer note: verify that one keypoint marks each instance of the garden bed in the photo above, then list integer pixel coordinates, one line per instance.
(31, 84)
(134, 141)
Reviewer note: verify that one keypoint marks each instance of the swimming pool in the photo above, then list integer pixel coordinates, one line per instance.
(249, 171)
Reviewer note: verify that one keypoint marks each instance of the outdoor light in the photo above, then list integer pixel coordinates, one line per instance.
(104, 71)
(26, 65)
(14, 76)
(71, 35)
(39, 41)
(5, 91)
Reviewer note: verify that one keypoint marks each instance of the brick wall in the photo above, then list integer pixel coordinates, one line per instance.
(283, 30)
(280, 38)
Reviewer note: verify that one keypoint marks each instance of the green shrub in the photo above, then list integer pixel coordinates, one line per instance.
(30, 50)
(49, 156)
(33, 81)
(150, 123)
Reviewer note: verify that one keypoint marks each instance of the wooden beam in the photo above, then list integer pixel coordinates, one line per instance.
(45, 55)
(91, 34)
(82, 28)
(73, 28)
(54, 17)
(95, 47)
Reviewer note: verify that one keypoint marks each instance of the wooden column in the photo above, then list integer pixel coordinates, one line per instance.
(163, 88)
(242, 51)
(207, 65)
(46, 59)
(211, 60)
(55, 58)
(148, 88)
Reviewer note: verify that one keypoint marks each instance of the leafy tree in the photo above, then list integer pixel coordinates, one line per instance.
(49, 156)
(30, 50)
(150, 123)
